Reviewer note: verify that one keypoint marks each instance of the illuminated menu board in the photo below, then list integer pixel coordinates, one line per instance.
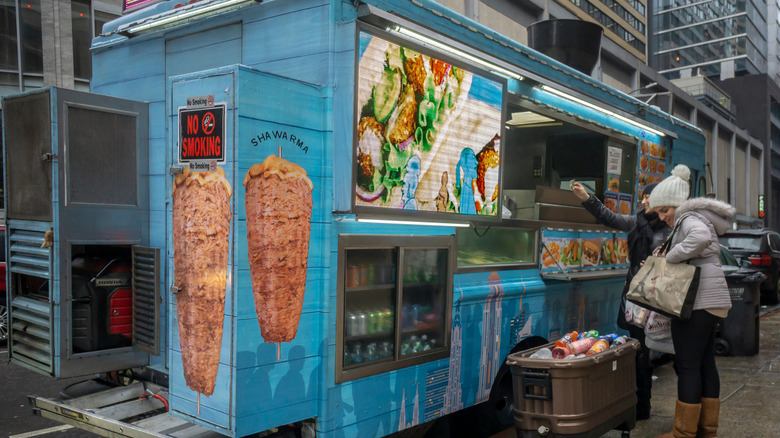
(428, 133)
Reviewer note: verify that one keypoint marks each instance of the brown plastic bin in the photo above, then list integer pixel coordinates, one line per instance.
(583, 398)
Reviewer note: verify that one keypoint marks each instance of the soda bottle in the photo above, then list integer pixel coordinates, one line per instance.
(387, 320)
(590, 334)
(610, 338)
(568, 338)
(620, 340)
(560, 352)
(581, 345)
(373, 322)
(598, 347)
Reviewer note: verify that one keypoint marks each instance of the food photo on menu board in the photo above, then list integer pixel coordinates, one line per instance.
(570, 252)
(621, 248)
(624, 203)
(551, 252)
(428, 133)
(608, 251)
(611, 201)
(591, 251)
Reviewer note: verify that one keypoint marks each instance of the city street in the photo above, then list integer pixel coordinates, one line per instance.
(750, 388)
(16, 416)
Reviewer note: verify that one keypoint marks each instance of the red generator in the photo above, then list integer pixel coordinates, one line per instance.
(102, 303)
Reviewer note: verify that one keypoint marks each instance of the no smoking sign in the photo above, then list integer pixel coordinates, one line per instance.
(202, 134)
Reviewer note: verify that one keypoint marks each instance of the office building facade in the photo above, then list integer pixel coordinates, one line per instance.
(46, 42)
(714, 38)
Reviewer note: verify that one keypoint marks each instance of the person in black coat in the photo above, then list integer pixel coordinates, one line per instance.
(646, 231)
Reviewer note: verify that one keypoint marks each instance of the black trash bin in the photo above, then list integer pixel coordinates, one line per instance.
(737, 334)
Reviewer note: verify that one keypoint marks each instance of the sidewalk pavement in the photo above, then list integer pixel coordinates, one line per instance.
(749, 391)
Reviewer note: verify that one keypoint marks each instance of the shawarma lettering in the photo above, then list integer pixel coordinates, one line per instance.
(279, 135)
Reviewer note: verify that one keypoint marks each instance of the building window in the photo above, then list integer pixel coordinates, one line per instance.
(32, 44)
(8, 53)
(81, 21)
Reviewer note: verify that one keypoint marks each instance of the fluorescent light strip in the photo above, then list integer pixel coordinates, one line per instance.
(441, 46)
(185, 15)
(390, 221)
(559, 93)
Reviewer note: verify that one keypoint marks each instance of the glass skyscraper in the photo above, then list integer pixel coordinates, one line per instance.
(723, 38)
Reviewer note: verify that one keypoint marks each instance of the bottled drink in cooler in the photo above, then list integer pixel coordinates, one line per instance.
(561, 352)
(620, 340)
(405, 348)
(387, 320)
(416, 344)
(581, 345)
(602, 344)
(362, 323)
(590, 334)
(373, 322)
(371, 352)
(568, 338)
(352, 324)
(357, 353)
(385, 350)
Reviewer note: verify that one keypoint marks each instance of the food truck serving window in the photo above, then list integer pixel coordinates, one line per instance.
(428, 133)
(547, 153)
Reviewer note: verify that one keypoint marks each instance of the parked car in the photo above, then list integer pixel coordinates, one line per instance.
(759, 248)
(3, 304)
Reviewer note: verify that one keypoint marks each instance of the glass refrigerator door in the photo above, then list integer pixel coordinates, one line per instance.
(369, 306)
(423, 300)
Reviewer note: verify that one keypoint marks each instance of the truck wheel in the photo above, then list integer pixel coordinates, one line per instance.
(3, 324)
(497, 412)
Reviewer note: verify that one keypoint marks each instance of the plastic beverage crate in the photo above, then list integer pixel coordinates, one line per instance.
(583, 398)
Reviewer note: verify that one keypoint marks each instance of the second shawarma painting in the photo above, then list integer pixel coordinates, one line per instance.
(278, 204)
(428, 133)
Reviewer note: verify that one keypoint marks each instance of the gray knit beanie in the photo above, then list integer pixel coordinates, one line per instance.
(672, 191)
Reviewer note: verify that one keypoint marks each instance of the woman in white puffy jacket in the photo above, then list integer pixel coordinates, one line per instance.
(699, 221)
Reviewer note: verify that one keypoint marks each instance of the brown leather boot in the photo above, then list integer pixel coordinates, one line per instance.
(708, 421)
(686, 421)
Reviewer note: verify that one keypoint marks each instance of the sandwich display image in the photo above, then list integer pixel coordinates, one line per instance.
(608, 254)
(591, 249)
(571, 253)
(201, 247)
(278, 202)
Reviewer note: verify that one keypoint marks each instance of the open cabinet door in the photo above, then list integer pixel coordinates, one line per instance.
(77, 191)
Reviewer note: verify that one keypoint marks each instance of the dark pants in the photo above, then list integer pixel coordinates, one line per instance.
(644, 373)
(694, 347)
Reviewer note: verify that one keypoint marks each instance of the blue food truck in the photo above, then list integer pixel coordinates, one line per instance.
(342, 216)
